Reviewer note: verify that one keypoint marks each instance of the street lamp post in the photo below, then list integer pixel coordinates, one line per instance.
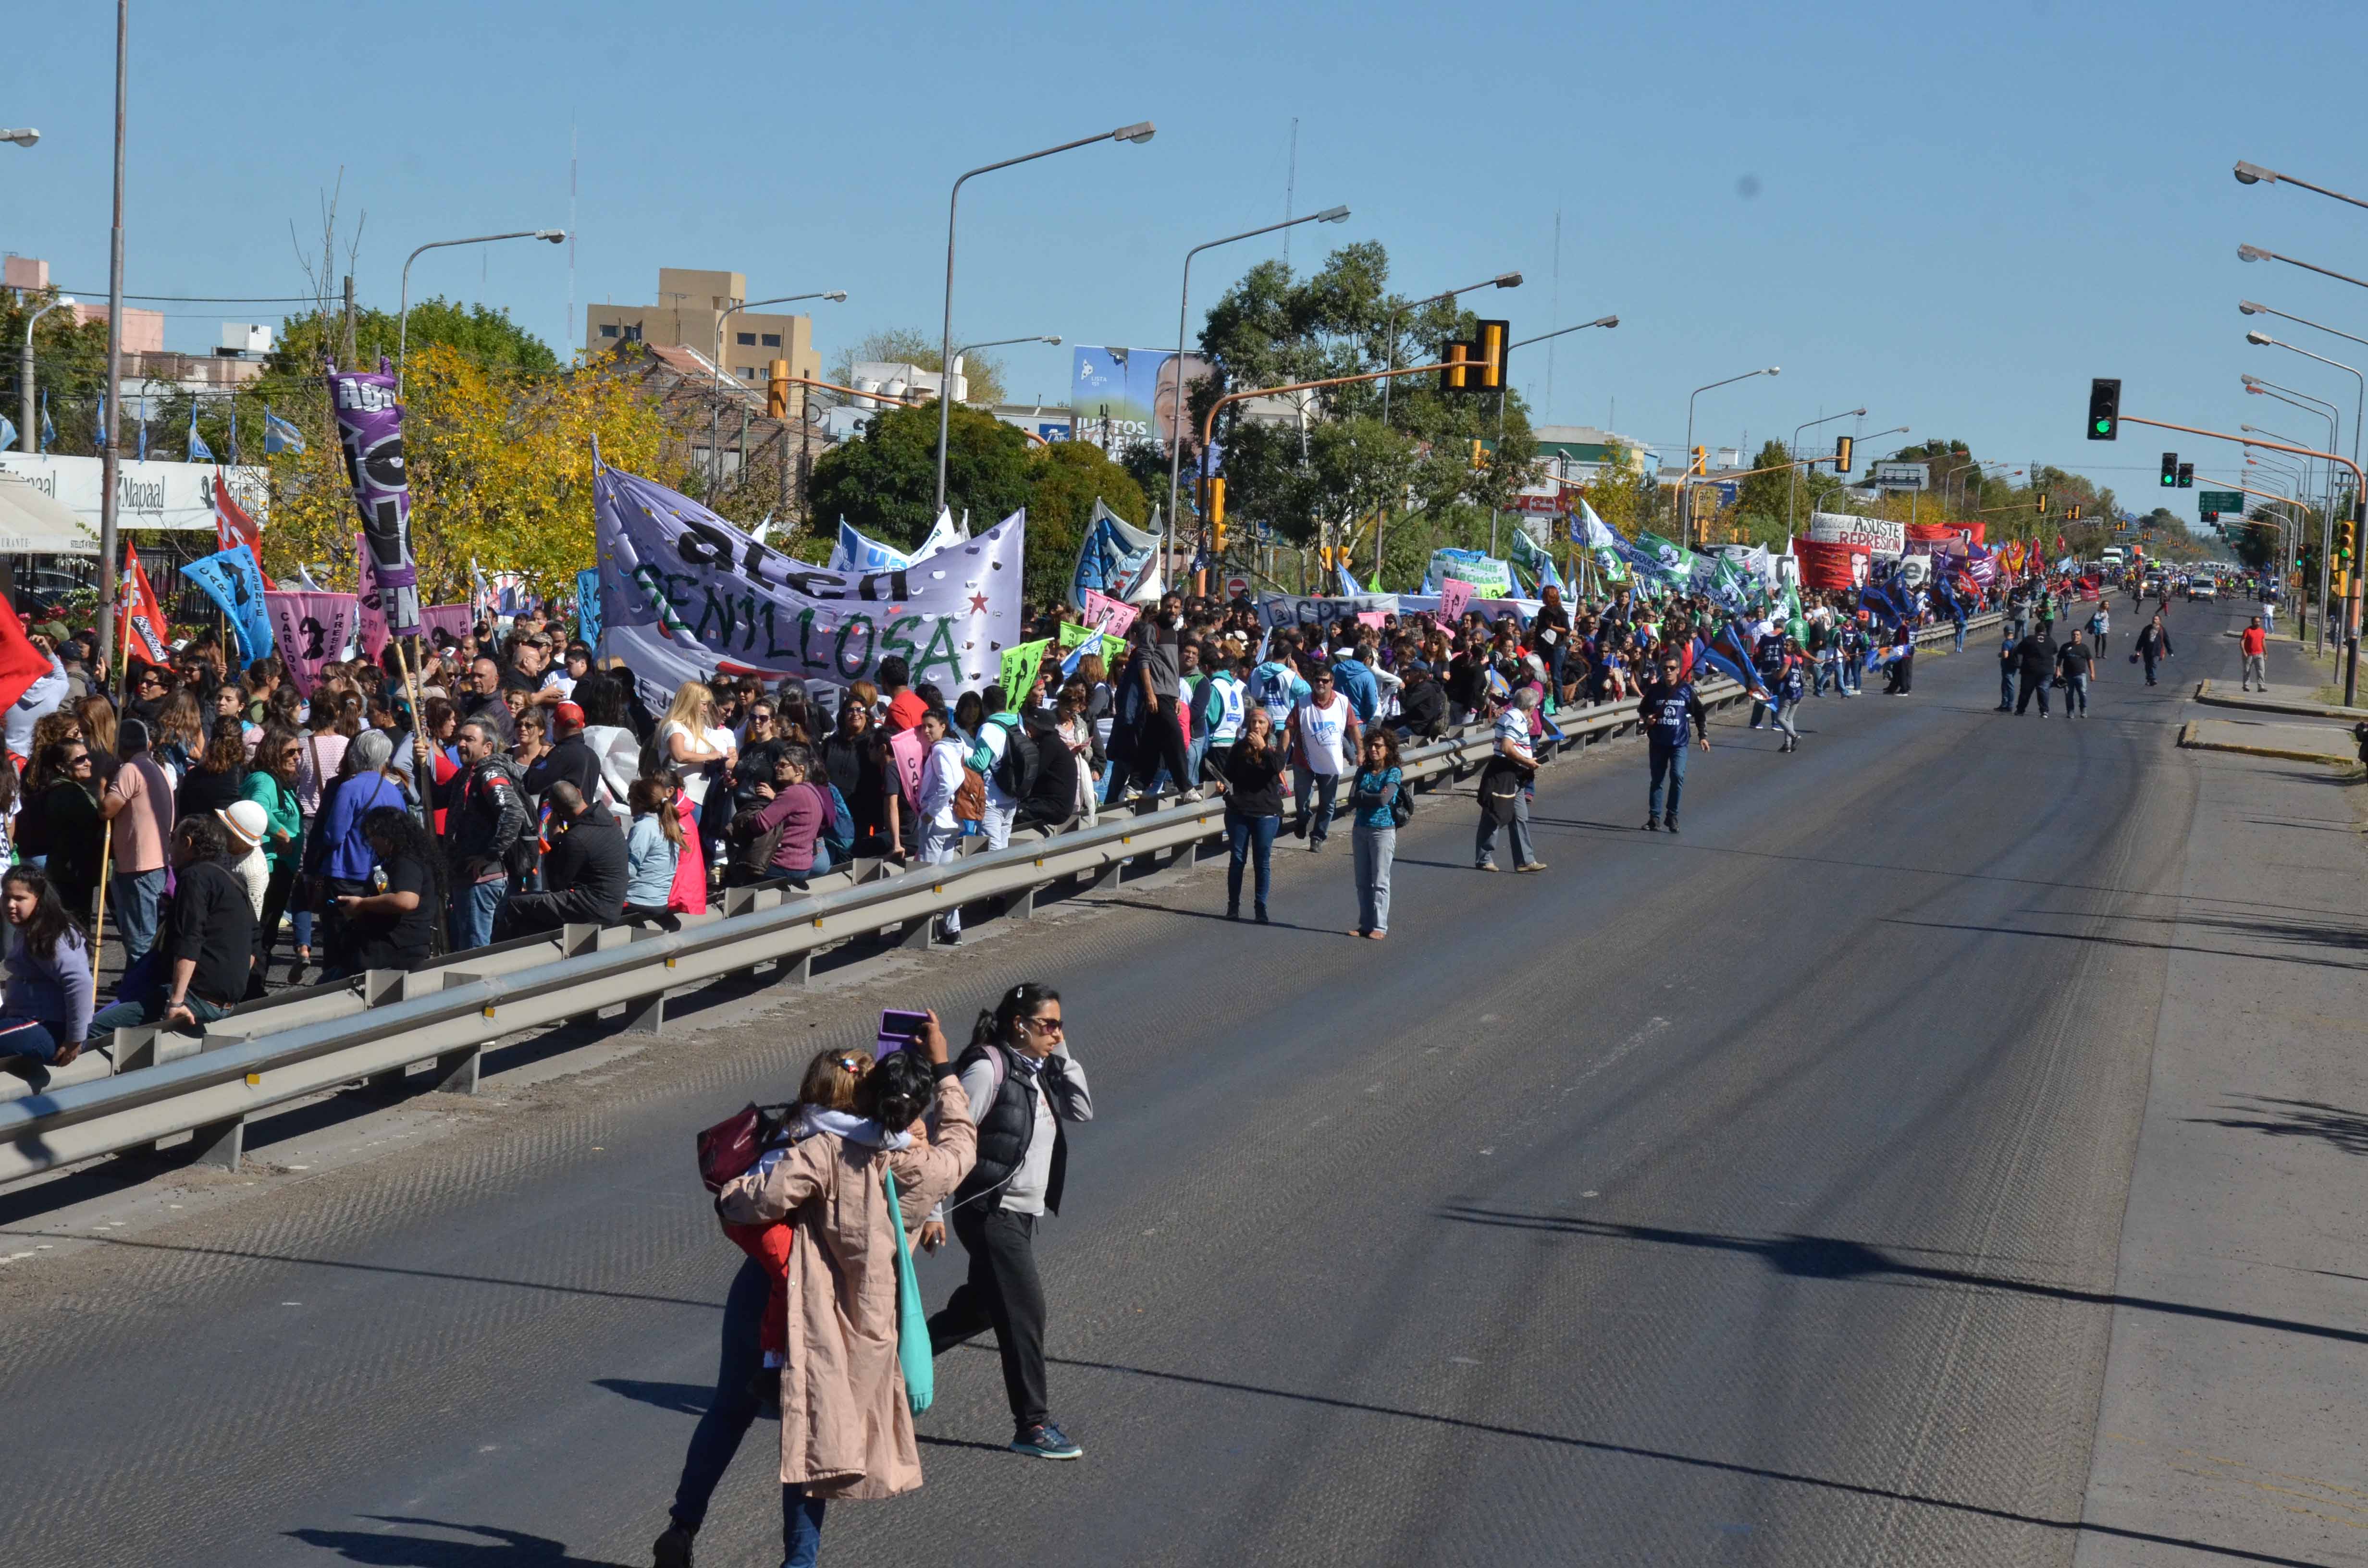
(2263, 339)
(714, 446)
(108, 461)
(27, 436)
(402, 316)
(2255, 253)
(23, 137)
(1685, 491)
(1792, 480)
(1183, 313)
(2310, 404)
(2253, 174)
(1140, 132)
(1605, 322)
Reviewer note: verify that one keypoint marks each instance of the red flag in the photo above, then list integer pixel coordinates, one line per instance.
(234, 527)
(141, 628)
(21, 664)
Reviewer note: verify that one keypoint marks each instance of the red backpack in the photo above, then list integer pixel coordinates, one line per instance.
(727, 1149)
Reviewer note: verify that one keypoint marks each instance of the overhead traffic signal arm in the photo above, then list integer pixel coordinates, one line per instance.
(1476, 363)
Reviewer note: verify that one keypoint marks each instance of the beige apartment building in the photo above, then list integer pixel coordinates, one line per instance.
(691, 310)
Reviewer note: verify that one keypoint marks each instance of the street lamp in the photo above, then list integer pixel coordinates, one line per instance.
(2253, 174)
(1793, 478)
(1183, 313)
(2255, 253)
(22, 138)
(1685, 491)
(402, 318)
(2264, 340)
(1606, 322)
(1140, 132)
(26, 434)
(836, 296)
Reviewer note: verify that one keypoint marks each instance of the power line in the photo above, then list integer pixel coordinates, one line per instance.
(209, 299)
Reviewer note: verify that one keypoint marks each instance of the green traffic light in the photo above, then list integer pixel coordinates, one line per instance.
(2104, 427)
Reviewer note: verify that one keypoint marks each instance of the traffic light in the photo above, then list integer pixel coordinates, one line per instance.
(2186, 476)
(1479, 455)
(2043, 503)
(2169, 470)
(2104, 409)
(1842, 445)
(1700, 461)
(776, 390)
(2074, 515)
(2346, 541)
(1216, 515)
(1477, 363)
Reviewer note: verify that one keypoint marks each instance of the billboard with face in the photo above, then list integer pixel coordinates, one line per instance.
(1125, 396)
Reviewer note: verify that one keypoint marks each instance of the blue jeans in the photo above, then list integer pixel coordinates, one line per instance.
(1246, 835)
(2076, 694)
(2006, 685)
(26, 1046)
(1961, 637)
(1668, 762)
(147, 1007)
(137, 896)
(1316, 792)
(1827, 669)
(726, 1420)
(1376, 848)
(473, 911)
(1849, 673)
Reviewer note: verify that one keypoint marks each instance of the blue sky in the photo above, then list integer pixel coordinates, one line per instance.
(1956, 226)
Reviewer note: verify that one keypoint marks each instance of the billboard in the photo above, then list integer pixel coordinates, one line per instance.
(147, 494)
(1125, 396)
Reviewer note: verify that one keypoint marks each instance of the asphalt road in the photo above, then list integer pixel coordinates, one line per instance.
(1746, 1197)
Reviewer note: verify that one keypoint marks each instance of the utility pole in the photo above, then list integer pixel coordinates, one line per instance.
(108, 461)
(349, 353)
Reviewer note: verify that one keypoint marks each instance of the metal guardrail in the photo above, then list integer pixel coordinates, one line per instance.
(380, 1025)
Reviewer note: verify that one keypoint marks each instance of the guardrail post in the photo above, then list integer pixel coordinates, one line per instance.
(1106, 878)
(574, 939)
(646, 1016)
(220, 1142)
(1022, 906)
(456, 1071)
(915, 933)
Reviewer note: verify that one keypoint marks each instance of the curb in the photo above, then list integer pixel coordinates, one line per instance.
(2188, 741)
(2300, 709)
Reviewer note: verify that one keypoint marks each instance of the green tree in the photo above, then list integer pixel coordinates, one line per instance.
(68, 363)
(882, 481)
(1064, 480)
(485, 337)
(1330, 467)
(911, 346)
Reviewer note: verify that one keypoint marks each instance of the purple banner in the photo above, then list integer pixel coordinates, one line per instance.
(310, 630)
(374, 634)
(369, 423)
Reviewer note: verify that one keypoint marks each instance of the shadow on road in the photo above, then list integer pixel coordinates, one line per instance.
(1832, 1258)
(1690, 1462)
(681, 1399)
(2131, 942)
(498, 1548)
(2332, 1125)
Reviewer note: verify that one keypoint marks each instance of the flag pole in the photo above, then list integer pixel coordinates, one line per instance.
(99, 925)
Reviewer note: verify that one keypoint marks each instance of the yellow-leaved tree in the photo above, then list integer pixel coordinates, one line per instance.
(500, 464)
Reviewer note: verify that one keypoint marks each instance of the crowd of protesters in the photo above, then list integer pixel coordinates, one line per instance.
(507, 786)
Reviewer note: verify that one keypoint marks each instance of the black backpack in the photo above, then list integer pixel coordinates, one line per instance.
(1020, 765)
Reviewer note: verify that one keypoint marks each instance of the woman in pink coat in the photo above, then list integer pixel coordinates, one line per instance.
(847, 1431)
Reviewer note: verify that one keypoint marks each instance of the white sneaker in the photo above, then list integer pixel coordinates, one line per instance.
(1191, 796)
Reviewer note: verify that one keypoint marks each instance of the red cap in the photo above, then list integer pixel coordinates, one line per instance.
(569, 713)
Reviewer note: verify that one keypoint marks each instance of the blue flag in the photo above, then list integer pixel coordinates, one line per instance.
(587, 607)
(199, 451)
(98, 424)
(279, 435)
(49, 431)
(7, 435)
(234, 433)
(234, 580)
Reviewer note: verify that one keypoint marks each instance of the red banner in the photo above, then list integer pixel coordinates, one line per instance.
(142, 627)
(1831, 565)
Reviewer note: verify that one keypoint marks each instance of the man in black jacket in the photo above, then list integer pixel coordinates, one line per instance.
(583, 875)
(570, 759)
(484, 814)
(1422, 704)
(2036, 657)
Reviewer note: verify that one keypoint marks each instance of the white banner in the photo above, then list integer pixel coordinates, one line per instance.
(1881, 536)
(147, 495)
(686, 595)
(1320, 610)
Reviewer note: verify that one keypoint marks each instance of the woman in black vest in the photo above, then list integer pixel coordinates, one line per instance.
(1024, 1084)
